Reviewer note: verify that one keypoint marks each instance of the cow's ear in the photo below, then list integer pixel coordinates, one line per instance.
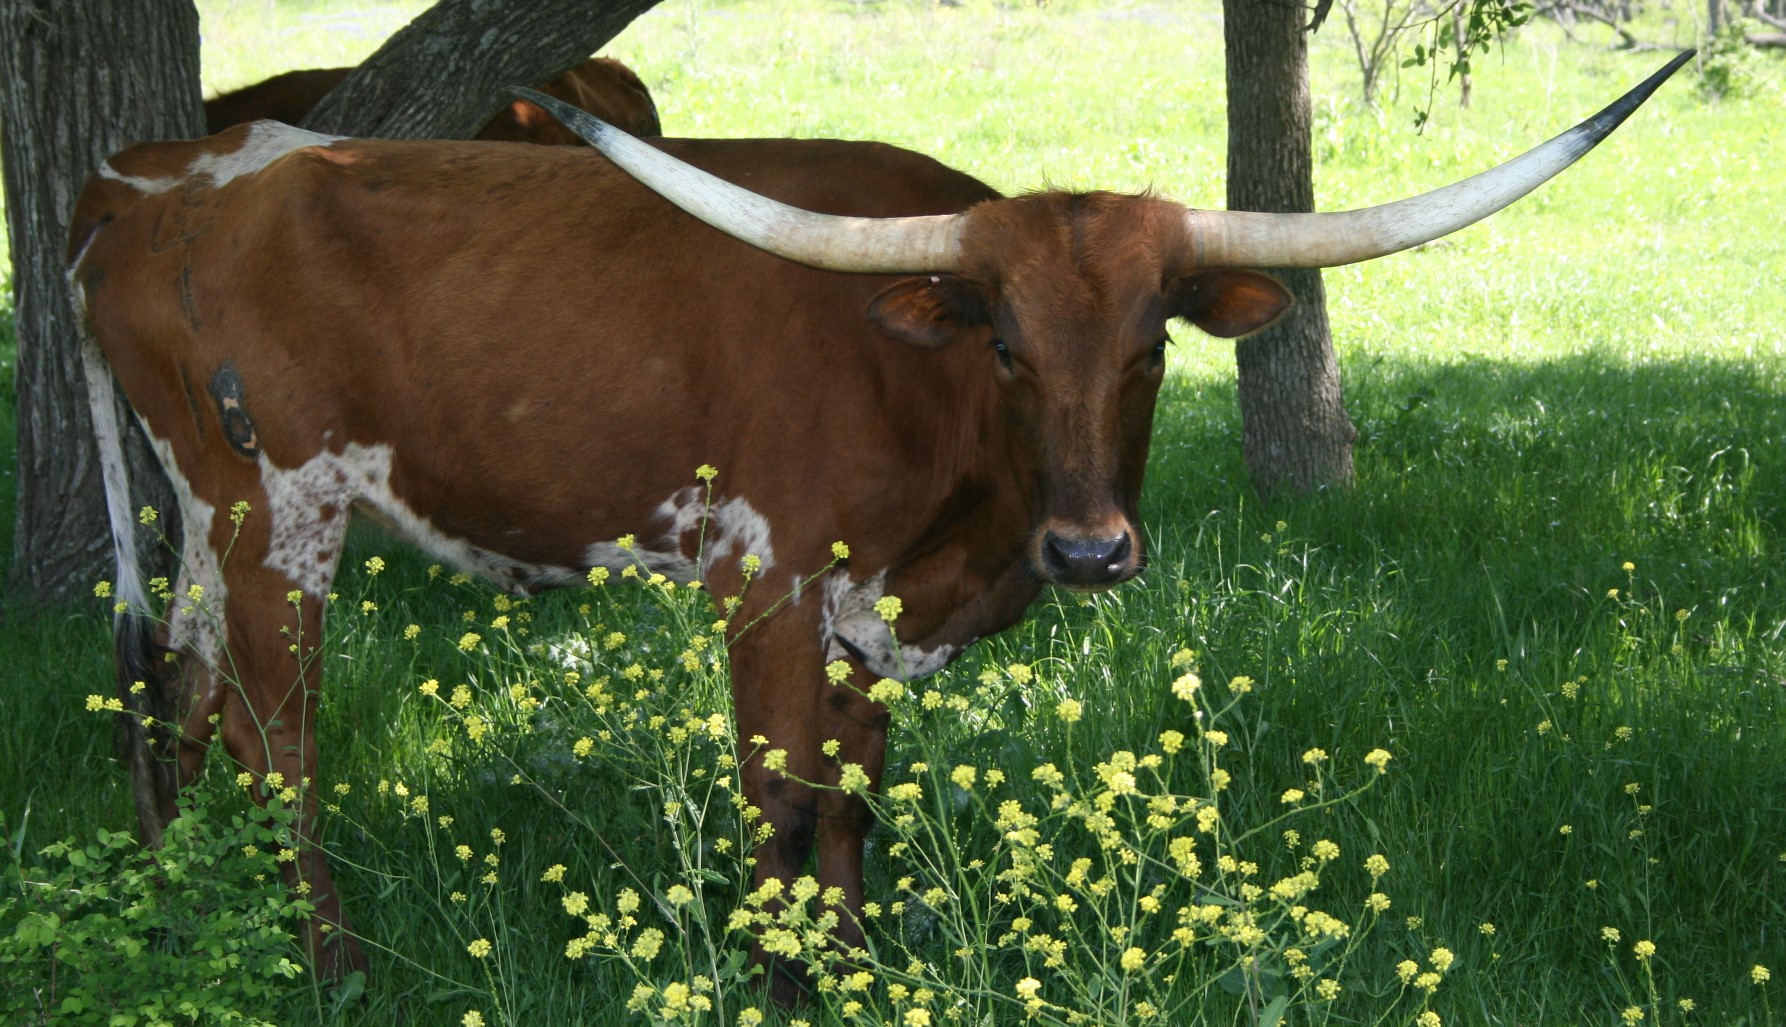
(1228, 301)
(929, 311)
(528, 115)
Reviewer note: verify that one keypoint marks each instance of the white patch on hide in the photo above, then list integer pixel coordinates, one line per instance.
(266, 142)
(310, 504)
(733, 529)
(849, 617)
(199, 626)
(670, 564)
(102, 404)
(76, 289)
(310, 507)
(152, 186)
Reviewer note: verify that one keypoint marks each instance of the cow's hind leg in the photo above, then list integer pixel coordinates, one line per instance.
(166, 651)
(245, 637)
(171, 669)
(275, 630)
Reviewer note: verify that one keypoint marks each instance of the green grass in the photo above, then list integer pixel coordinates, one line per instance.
(1592, 377)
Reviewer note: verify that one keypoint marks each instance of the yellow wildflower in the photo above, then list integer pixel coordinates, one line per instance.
(1186, 685)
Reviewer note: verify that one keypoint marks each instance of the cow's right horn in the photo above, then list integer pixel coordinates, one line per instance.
(1246, 239)
(914, 245)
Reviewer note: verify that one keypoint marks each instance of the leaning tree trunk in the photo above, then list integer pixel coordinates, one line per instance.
(1295, 435)
(441, 76)
(82, 79)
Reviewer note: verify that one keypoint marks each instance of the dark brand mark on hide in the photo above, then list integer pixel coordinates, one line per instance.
(188, 305)
(191, 217)
(226, 390)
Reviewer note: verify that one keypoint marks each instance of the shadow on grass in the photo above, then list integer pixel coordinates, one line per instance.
(1531, 482)
(1441, 605)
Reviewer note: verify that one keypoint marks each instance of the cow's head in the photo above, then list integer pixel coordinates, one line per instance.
(1069, 295)
(1066, 299)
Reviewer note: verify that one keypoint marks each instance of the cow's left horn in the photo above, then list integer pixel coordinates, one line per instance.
(911, 245)
(1245, 239)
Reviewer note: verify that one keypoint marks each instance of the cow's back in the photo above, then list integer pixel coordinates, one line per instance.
(288, 97)
(604, 87)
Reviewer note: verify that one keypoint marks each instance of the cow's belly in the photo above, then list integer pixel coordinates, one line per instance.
(311, 501)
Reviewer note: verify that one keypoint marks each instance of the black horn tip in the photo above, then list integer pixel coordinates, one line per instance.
(1616, 112)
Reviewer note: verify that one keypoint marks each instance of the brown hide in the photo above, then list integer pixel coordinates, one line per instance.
(604, 87)
(517, 355)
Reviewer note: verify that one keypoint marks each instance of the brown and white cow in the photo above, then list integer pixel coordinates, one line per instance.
(516, 355)
(602, 86)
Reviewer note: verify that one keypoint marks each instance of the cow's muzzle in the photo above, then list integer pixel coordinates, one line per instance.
(1087, 563)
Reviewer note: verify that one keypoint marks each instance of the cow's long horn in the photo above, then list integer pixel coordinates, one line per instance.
(909, 245)
(1245, 239)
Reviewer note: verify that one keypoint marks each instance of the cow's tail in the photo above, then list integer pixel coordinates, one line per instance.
(148, 724)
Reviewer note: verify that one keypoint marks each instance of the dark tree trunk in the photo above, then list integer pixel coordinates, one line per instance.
(1459, 23)
(1295, 435)
(440, 76)
(83, 78)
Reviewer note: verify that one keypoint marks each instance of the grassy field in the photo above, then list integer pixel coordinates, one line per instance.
(1554, 596)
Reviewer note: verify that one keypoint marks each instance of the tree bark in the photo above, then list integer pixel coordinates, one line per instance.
(441, 76)
(83, 78)
(1295, 434)
(1459, 24)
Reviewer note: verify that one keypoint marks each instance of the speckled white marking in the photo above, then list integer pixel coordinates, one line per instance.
(849, 616)
(266, 142)
(310, 507)
(734, 529)
(670, 564)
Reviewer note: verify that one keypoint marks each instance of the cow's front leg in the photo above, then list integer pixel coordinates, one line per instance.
(859, 725)
(777, 678)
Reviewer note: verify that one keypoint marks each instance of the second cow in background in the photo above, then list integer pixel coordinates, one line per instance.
(604, 87)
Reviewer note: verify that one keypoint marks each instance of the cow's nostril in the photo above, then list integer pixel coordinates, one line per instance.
(1085, 561)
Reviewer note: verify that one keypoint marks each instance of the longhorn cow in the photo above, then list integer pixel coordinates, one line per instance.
(602, 86)
(515, 355)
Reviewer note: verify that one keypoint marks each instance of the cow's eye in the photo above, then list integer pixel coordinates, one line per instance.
(1004, 353)
(1159, 348)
